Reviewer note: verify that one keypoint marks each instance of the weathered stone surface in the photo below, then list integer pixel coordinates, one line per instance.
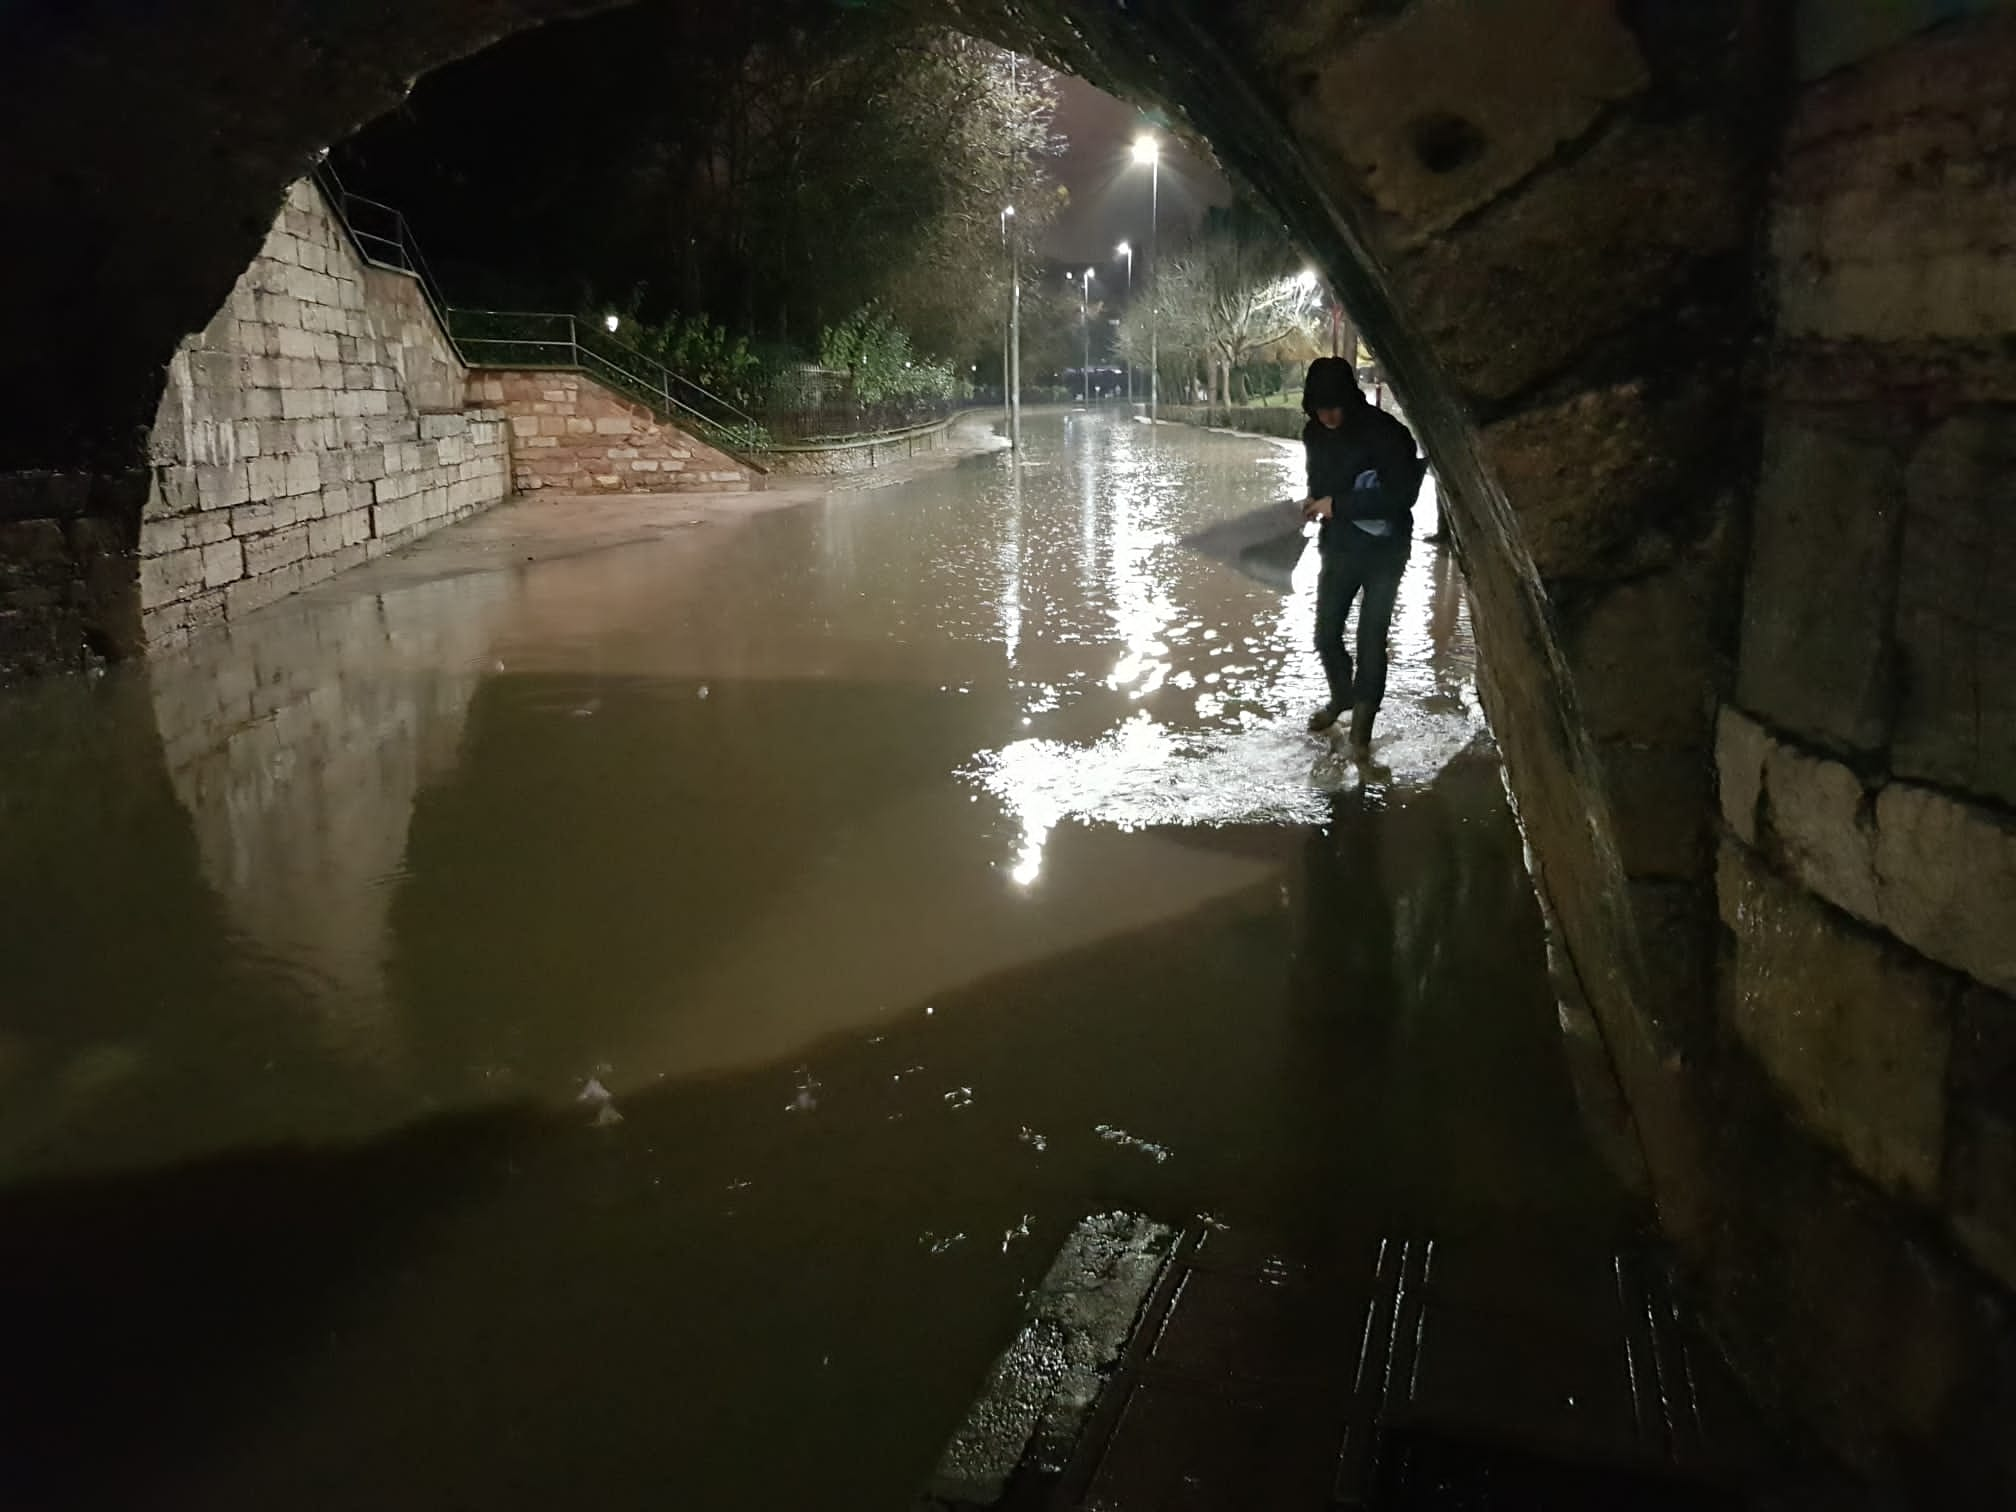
(576, 436)
(1830, 37)
(1816, 652)
(1956, 611)
(1650, 699)
(275, 450)
(1609, 503)
(1659, 801)
(1523, 287)
(1892, 222)
(1434, 125)
(1935, 871)
(1817, 813)
(1741, 745)
(1856, 1033)
(1037, 1396)
(1981, 1158)
(1947, 871)
(1671, 921)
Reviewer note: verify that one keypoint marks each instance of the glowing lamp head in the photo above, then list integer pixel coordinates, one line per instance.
(1123, 250)
(610, 322)
(1146, 150)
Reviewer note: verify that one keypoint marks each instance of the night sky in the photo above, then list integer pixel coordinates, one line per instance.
(1109, 195)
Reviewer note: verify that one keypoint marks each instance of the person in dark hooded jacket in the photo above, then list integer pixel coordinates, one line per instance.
(1363, 476)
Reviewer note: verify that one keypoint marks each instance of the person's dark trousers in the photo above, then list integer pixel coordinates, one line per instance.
(1354, 560)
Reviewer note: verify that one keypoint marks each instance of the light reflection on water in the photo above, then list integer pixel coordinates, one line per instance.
(939, 858)
(792, 670)
(1235, 752)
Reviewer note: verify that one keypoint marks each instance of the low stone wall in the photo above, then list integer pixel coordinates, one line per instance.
(1255, 419)
(316, 422)
(837, 459)
(572, 434)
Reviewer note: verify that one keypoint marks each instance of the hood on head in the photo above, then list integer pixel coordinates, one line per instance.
(1331, 383)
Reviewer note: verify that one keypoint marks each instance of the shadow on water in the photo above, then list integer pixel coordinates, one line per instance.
(158, 1317)
(785, 1281)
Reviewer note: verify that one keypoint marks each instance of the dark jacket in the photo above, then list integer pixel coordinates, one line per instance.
(1369, 440)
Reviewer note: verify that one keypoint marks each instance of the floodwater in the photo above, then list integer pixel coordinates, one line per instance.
(615, 1008)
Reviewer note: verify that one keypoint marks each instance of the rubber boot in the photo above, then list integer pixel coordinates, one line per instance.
(1325, 717)
(1361, 724)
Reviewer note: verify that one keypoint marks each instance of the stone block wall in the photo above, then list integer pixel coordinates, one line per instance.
(1867, 759)
(316, 422)
(572, 435)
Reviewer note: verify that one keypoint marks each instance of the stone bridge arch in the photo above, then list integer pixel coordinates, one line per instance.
(1599, 246)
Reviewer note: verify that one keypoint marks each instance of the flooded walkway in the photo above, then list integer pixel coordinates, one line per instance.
(621, 1013)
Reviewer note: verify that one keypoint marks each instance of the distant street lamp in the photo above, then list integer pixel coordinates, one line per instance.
(1126, 251)
(1147, 150)
(609, 324)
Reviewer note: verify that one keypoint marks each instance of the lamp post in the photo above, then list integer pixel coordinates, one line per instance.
(1148, 150)
(1008, 342)
(1127, 251)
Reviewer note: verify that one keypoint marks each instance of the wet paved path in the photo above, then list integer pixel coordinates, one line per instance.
(917, 870)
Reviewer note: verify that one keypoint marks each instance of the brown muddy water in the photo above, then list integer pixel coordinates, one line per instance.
(917, 870)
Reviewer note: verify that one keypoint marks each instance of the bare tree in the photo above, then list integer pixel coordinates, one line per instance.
(1236, 293)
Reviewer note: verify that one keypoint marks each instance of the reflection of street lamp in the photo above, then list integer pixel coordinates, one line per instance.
(1127, 251)
(1147, 150)
(1085, 320)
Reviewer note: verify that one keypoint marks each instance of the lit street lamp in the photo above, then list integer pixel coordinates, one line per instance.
(1127, 251)
(1147, 150)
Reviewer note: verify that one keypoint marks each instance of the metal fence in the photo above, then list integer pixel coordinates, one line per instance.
(545, 339)
(549, 339)
(838, 422)
(381, 236)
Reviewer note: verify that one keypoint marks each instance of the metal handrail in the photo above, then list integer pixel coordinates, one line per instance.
(680, 379)
(635, 372)
(583, 348)
(399, 252)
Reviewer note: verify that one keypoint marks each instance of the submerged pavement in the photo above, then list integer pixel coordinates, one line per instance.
(620, 1001)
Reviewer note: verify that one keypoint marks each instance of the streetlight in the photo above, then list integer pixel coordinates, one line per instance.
(1147, 150)
(610, 322)
(1127, 251)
